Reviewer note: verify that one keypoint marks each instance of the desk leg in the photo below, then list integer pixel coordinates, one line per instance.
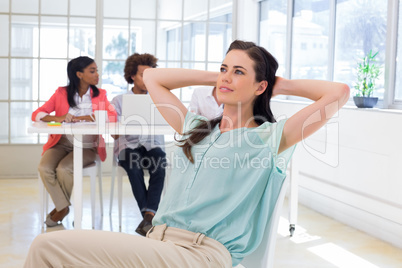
(77, 202)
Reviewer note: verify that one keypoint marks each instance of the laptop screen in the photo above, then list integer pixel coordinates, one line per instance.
(139, 109)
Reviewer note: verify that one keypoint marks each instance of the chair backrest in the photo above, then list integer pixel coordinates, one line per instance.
(263, 256)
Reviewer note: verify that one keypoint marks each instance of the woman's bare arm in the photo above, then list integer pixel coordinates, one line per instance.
(328, 98)
(160, 82)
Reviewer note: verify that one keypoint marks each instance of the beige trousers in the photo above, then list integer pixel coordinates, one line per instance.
(56, 170)
(163, 247)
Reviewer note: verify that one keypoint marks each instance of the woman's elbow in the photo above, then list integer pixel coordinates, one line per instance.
(344, 94)
(341, 93)
(148, 77)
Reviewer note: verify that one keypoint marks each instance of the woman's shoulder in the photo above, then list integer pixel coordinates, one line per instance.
(269, 130)
(267, 124)
(62, 89)
(102, 93)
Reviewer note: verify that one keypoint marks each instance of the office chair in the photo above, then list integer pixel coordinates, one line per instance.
(91, 171)
(263, 256)
(120, 172)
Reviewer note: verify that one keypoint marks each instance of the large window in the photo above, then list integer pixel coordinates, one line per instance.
(356, 34)
(273, 31)
(398, 79)
(310, 40)
(181, 33)
(326, 39)
(38, 38)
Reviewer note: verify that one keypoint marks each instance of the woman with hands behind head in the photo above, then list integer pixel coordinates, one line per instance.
(224, 186)
(73, 103)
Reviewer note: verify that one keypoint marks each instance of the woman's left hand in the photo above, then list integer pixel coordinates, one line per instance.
(278, 88)
(84, 118)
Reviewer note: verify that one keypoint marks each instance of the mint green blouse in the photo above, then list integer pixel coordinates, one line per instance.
(230, 191)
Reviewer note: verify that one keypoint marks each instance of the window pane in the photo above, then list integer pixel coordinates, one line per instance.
(83, 8)
(82, 37)
(49, 83)
(3, 79)
(273, 31)
(219, 39)
(169, 40)
(23, 78)
(4, 128)
(170, 9)
(113, 78)
(142, 37)
(173, 44)
(194, 65)
(172, 64)
(53, 37)
(141, 9)
(20, 120)
(195, 10)
(25, 6)
(310, 40)
(110, 8)
(356, 34)
(214, 67)
(217, 7)
(4, 33)
(398, 80)
(4, 6)
(194, 41)
(49, 7)
(115, 39)
(24, 36)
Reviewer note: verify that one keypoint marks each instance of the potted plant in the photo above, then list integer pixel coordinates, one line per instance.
(367, 75)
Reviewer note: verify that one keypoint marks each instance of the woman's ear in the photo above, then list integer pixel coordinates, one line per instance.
(78, 74)
(262, 87)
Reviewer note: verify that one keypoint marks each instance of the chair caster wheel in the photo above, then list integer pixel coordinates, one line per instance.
(292, 229)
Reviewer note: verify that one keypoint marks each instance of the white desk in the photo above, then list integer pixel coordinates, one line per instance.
(79, 129)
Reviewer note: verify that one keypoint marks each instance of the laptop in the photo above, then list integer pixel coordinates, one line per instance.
(139, 109)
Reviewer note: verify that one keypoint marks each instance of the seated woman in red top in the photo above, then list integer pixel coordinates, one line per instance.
(73, 103)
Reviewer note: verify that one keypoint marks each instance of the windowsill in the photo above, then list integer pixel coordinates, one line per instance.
(347, 106)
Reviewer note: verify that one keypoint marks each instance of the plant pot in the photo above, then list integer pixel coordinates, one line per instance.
(365, 102)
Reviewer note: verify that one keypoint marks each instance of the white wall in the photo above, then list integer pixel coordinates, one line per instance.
(19, 161)
(351, 170)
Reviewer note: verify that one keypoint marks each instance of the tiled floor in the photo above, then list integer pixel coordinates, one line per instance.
(318, 241)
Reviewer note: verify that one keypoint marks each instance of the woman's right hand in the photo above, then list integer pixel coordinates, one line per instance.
(159, 82)
(50, 118)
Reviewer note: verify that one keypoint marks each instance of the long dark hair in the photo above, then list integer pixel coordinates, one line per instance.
(265, 66)
(74, 66)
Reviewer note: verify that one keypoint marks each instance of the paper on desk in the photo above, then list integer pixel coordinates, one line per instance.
(80, 123)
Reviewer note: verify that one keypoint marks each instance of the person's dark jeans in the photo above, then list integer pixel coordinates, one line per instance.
(154, 160)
